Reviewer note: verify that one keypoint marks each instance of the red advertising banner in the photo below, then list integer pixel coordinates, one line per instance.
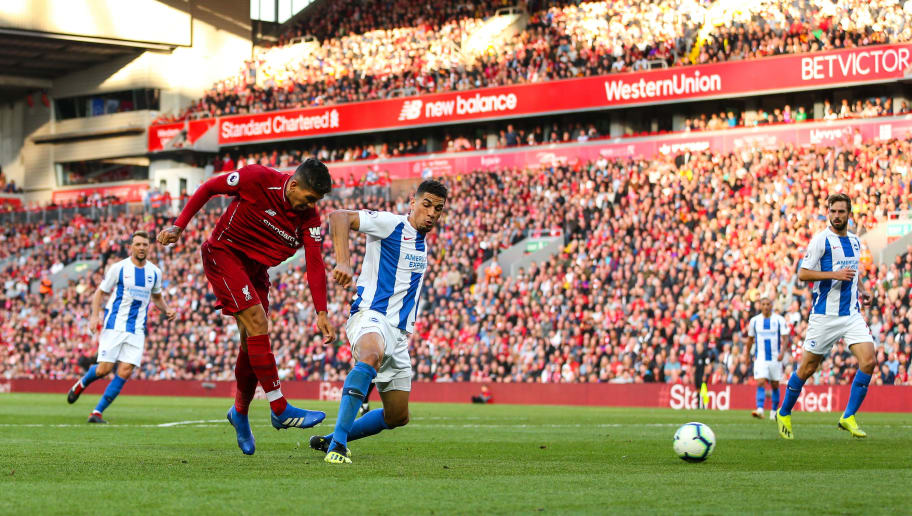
(178, 134)
(132, 192)
(197, 128)
(784, 73)
(10, 200)
(814, 398)
(822, 133)
(159, 135)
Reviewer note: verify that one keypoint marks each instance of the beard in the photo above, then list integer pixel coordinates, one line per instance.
(841, 226)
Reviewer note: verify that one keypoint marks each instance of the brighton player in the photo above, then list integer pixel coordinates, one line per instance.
(273, 215)
(831, 262)
(382, 313)
(131, 284)
(768, 330)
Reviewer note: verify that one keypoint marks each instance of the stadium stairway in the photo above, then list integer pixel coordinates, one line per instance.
(74, 271)
(534, 248)
(898, 227)
(496, 30)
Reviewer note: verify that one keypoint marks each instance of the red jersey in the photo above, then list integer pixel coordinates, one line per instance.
(260, 224)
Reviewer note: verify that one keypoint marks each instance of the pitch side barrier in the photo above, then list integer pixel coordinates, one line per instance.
(814, 398)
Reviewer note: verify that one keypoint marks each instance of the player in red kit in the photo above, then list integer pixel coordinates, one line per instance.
(272, 216)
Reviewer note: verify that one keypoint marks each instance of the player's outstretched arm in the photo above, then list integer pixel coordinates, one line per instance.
(228, 184)
(340, 223)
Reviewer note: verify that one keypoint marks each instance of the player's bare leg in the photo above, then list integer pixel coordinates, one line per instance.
(124, 370)
(246, 382)
(809, 364)
(395, 408)
(864, 353)
(104, 368)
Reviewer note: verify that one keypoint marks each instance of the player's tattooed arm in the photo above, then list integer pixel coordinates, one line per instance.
(169, 235)
(340, 223)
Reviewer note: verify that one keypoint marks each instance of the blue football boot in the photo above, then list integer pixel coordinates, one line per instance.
(241, 425)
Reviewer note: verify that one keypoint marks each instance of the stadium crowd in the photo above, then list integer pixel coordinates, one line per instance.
(663, 261)
(370, 49)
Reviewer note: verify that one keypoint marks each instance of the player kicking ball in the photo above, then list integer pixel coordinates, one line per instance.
(382, 313)
(831, 262)
(273, 215)
(131, 284)
(767, 330)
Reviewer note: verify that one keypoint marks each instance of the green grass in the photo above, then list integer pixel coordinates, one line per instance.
(464, 459)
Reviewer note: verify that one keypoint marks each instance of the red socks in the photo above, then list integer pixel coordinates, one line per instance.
(263, 364)
(246, 383)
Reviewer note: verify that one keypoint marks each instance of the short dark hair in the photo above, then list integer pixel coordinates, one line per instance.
(433, 187)
(140, 233)
(313, 174)
(839, 197)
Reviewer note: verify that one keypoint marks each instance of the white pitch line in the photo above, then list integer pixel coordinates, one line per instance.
(178, 423)
(209, 423)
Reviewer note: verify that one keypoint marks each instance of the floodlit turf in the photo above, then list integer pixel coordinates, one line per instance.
(450, 459)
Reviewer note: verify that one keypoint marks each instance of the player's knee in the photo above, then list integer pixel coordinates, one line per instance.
(103, 368)
(866, 365)
(806, 369)
(254, 321)
(371, 358)
(397, 419)
(370, 352)
(125, 370)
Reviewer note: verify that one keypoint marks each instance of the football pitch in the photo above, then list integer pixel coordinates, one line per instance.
(179, 455)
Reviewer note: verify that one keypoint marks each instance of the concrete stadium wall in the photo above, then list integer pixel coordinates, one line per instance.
(815, 398)
(136, 20)
(220, 42)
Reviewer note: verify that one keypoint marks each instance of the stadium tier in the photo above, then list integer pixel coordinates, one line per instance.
(660, 258)
(363, 51)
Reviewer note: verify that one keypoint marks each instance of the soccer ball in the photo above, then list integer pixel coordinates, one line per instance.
(694, 442)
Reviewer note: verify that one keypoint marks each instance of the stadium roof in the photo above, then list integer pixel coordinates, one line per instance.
(29, 61)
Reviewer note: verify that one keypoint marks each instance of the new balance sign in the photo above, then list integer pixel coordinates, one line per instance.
(868, 65)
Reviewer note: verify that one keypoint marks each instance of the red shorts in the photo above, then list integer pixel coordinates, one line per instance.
(238, 283)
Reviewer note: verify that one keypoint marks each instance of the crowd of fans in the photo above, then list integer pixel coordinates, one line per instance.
(662, 259)
(861, 108)
(372, 49)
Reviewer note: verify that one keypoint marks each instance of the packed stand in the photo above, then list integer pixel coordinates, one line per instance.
(870, 107)
(374, 49)
(662, 259)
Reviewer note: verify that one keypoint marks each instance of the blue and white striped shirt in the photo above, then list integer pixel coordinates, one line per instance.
(767, 334)
(831, 252)
(131, 289)
(393, 270)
